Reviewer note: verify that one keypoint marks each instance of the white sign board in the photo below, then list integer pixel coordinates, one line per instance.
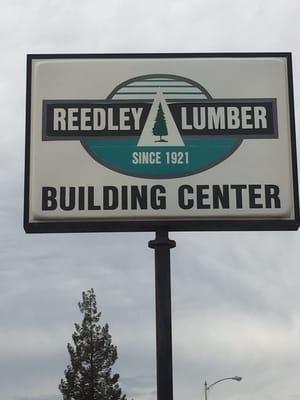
(147, 141)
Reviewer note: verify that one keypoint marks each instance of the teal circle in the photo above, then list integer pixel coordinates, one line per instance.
(198, 153)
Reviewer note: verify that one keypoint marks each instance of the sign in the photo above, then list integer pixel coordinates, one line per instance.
(146, 141)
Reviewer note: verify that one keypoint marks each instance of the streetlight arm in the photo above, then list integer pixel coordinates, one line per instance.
(235, 378)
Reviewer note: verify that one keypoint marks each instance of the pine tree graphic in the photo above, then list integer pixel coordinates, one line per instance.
(160, 127)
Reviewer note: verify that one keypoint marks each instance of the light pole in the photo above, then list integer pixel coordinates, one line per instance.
(207, 387)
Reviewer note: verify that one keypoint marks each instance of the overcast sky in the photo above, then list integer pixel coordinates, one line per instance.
(236, 298)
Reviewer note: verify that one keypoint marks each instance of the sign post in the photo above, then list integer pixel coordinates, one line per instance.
(160, 142)
(162, 245)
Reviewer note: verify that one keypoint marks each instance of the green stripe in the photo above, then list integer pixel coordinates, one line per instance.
(118, 93)
(159, 80)
(145, 86)
(167, 93)
(193, 93)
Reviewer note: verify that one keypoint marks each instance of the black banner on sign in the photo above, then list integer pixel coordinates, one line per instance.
(75, 119)
(246, 118)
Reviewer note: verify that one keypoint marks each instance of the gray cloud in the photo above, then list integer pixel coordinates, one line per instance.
(235, 295)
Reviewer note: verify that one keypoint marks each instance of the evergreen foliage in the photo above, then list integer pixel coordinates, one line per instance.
(160, 127)
(89, 375)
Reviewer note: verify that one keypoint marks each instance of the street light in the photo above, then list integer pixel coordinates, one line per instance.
(207, 387)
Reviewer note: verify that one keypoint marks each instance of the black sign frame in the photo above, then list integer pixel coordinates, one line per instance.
(136, 225)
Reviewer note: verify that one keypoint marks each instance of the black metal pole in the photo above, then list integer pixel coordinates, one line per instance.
(164, 368)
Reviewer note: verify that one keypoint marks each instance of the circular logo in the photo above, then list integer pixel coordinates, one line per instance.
(154, 125)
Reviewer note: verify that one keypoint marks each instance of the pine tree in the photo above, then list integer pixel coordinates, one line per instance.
(160, 127)
(89, 375)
